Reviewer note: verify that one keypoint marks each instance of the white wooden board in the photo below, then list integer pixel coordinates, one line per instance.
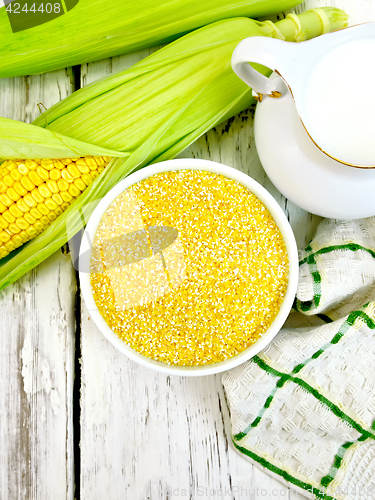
(149, 436)
(37, 329)
(143, 435)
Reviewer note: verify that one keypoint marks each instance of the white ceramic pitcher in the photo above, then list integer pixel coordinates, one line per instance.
(316, 118)
(332, 81)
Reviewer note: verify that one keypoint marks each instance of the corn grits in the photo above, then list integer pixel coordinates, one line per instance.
(205, 296)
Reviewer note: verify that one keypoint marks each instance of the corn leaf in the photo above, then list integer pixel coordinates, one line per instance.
(22, 140)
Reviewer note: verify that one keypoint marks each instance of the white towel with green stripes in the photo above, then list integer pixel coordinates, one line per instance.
(304, 408)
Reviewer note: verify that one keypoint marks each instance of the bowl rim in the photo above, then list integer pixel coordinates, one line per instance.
(262, 194)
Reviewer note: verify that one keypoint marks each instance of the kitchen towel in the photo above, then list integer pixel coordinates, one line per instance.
(304, 408)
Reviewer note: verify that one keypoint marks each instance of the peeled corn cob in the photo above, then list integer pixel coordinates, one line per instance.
(148, 113)
(33, 193)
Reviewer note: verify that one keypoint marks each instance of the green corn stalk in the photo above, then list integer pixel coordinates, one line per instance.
(145, 114)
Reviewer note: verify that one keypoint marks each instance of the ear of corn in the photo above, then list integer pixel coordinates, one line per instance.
(95, 29)
(191, 73)
(153, 111)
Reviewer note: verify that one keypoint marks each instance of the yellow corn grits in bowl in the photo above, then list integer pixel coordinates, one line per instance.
(188, 267)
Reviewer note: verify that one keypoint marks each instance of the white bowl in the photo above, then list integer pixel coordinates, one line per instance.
(276, 213)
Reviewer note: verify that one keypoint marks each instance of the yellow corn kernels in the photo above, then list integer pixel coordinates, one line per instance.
(33, 193)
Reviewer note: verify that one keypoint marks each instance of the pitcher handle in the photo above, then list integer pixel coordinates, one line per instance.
(270, 52)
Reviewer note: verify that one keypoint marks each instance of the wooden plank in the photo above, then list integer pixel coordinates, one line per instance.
(158, 436)
(37, 330)
(147, 435)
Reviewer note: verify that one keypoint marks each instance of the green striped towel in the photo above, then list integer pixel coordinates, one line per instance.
(304, 408)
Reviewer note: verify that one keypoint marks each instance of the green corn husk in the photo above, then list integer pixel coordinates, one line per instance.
(94, 29)
(148, 113)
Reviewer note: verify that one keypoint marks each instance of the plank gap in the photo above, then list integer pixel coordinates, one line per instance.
(76, 84)
(76, 77)
(77, 393)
